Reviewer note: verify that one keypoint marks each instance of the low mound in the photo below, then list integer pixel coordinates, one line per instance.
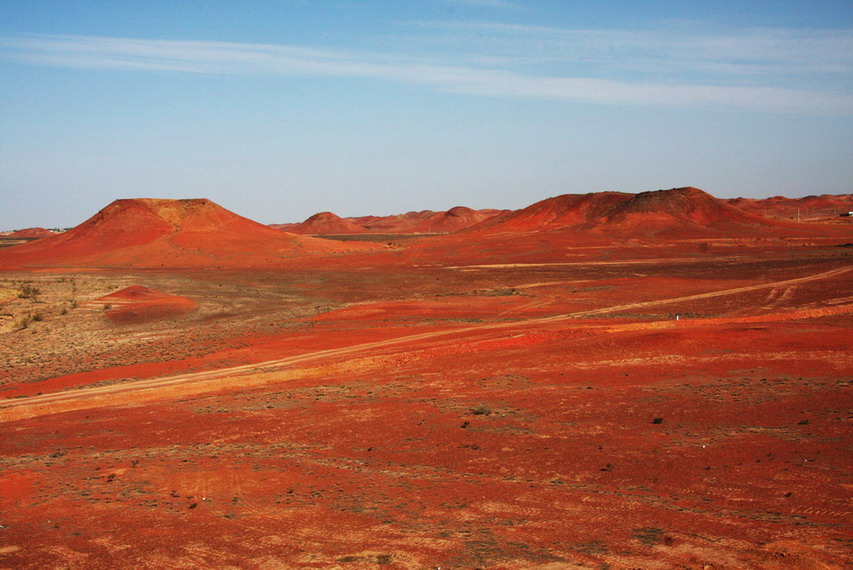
(29, 233)
(807, 209)
(138, 304)
(155, 233)
(327, 223)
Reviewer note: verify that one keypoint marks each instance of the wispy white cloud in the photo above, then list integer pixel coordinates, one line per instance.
(754, 51)
(501, 73)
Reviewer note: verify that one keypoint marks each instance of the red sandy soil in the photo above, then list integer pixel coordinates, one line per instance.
(621, 405)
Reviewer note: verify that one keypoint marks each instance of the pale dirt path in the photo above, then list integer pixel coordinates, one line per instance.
(735, 291)
(650, 261)
(272, 371)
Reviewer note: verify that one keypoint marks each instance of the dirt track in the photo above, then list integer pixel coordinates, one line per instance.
(282, 370)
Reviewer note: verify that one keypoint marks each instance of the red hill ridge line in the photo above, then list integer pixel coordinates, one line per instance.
(825, 206)
(157, 233)
(426, 221)
(169, 233)
(678, 213)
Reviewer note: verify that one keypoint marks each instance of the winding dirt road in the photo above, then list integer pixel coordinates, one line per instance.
(285, 369)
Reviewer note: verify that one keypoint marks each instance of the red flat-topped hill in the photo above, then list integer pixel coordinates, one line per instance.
(169, 233)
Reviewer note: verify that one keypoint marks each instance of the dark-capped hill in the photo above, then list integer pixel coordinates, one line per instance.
(566, 210)
(165, 233)
(679, 210)
(677, 213)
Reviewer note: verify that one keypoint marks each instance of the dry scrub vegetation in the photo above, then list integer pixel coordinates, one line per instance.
(54, 325)
(49, 318)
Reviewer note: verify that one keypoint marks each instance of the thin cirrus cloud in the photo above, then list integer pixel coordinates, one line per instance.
(749, 71)
(754, 51)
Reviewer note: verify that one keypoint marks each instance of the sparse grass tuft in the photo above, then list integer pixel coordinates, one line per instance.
(649, 536)
(29, 291)
(23, 322)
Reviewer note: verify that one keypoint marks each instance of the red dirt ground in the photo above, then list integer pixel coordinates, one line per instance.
(641, 404)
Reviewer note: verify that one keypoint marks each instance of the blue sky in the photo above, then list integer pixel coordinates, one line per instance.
(278, 109)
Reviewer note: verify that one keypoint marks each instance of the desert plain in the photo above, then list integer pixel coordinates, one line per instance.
(609, 380)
